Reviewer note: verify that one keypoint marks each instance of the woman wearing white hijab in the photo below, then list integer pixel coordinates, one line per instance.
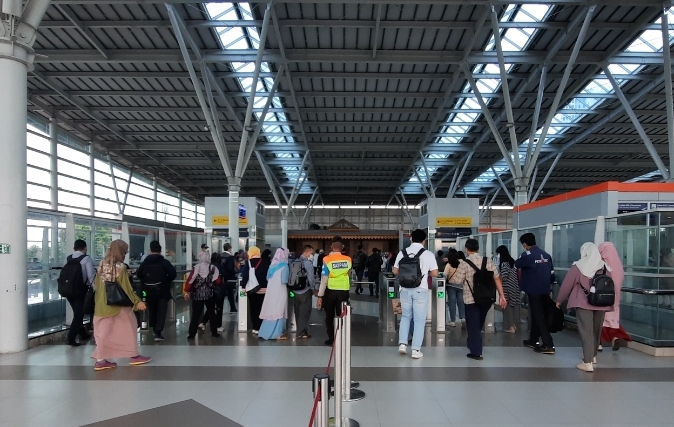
(275, 306)
(590, 318)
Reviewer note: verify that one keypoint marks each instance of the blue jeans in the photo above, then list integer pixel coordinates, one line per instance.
(454, 298)
(414, 302)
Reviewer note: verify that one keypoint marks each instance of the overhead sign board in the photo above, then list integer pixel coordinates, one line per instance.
(448, 233)
(631, 207)
(224, 232)
(453, 221)
(662, 205)
(223, 220)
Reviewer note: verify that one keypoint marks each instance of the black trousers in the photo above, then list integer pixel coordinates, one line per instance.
(359, 277)
(255, 302)
(539, 324)
(230, 288)
(77, 325)
(332, 304)
(475, 318)
(375, 285)
(157, 307)
(214, 315)
(197, 310)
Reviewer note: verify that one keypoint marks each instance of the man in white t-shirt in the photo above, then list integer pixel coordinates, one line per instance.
(414, 300)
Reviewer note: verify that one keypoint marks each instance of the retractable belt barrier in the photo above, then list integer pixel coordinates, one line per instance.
(242, 309)
(344, 389)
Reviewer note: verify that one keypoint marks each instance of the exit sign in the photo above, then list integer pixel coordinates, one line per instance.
(5, 249)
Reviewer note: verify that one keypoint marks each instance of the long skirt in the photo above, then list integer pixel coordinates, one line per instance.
(272, 329)
(607, 334)
(116, 336)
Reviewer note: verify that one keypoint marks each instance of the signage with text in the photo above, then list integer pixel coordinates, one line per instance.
(453, 221)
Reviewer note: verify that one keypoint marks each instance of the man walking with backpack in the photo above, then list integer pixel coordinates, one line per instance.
(359, 261)
(156, 275)
(374, 263)
(480, 280)
(75, 279)
(414, 267)
(301, 283)
(536, 282)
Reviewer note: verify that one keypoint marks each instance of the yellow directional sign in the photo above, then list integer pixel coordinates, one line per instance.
(220, 220)
(453, 221)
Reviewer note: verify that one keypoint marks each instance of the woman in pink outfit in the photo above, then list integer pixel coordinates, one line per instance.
(612, 331)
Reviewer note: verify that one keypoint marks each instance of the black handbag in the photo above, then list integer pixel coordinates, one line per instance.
(115, 295)
(89, 301)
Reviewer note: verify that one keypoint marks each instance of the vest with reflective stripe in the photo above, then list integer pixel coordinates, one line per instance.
(338, 267)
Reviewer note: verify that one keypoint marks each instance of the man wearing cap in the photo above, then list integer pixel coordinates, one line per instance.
(335, 285)
(156, 275)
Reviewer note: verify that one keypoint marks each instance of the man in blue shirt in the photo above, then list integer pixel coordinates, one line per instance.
(77, 304)
(537, 277)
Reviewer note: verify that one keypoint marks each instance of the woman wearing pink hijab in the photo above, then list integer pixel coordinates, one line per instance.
(612, 331)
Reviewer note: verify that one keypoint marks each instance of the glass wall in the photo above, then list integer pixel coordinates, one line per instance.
(90, 183)
(48, 250)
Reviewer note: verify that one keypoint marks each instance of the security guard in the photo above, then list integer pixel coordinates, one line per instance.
(335, 285)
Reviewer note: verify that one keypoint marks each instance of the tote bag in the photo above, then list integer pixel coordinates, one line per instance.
(253, 285)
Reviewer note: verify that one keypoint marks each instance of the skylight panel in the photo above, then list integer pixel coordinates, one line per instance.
(232, 37)
(513, 40)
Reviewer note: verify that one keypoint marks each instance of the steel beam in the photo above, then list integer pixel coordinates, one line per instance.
(428, 175)
(86, 32)
(560, 89)
(635, 121)
(247, 130)
(267, 175)
(455, 185)
(669, 98)
(537, 112)
(547, 176)
(376, 32)
(505, 189)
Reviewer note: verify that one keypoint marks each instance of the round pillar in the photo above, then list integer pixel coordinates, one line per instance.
(13, 234)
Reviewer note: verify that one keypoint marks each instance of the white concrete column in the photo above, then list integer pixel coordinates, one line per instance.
(92, 205)
(284, 231)
(53, 164)
(162, 239)
(188, 250)
(548, 246)
(125, 237)
(154, 192)
(234, 188)
(600, 230)
(489, 323)
(70, 243)
(13, 119)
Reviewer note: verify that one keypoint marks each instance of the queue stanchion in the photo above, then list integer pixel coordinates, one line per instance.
(349, 389)
(321, 410)
(339, 420)
(242, 313)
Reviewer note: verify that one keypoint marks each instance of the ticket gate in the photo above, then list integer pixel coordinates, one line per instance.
(388, 291)
(438, 310)
(242, 306)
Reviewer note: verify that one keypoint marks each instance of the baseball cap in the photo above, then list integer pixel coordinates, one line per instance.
(204, 246)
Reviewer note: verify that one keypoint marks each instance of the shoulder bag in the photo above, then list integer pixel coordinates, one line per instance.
(114, 293)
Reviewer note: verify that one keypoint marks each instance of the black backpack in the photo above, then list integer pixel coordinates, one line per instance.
(153, 278)
(409, 270)
(71, 283)
(484, 286)
(297, 278)
(358, 261)
(602, 290)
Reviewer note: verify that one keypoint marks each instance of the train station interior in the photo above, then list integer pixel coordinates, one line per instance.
(179, 128)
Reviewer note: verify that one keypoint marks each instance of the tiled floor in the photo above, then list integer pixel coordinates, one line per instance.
(238, 381)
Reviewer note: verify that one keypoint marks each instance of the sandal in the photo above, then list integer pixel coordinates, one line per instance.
(282, 337)
(304, 336)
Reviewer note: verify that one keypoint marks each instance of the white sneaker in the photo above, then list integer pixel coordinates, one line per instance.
(416, 354)
(452, 324)
(202, 326)
(402, 349)
(587, 367)
(221, 328)
(600, 348)
(594, 360)
(255, 332)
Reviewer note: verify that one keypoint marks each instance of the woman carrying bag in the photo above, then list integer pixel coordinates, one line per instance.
(511, 288)
(254, 281)
(199, 287)
(115, 324)
(576, 287)
(275, 307)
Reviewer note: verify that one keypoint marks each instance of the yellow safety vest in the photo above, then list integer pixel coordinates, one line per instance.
(338, 266)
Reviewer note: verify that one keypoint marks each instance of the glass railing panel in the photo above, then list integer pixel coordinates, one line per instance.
(568, 238)
(140, 237)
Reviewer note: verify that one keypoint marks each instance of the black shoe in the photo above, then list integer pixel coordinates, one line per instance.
(233, 311)
(216, 335)
(529, 344)
(190, 337)
(376, 295)
(158, 337)
(545, 350)
(474, 356)
(328, 342)
(616, 345)
(85, 337)
(74, 343)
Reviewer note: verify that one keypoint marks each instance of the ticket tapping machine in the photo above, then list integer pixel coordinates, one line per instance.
(388, 292)
(242, 314)
(439, 298)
